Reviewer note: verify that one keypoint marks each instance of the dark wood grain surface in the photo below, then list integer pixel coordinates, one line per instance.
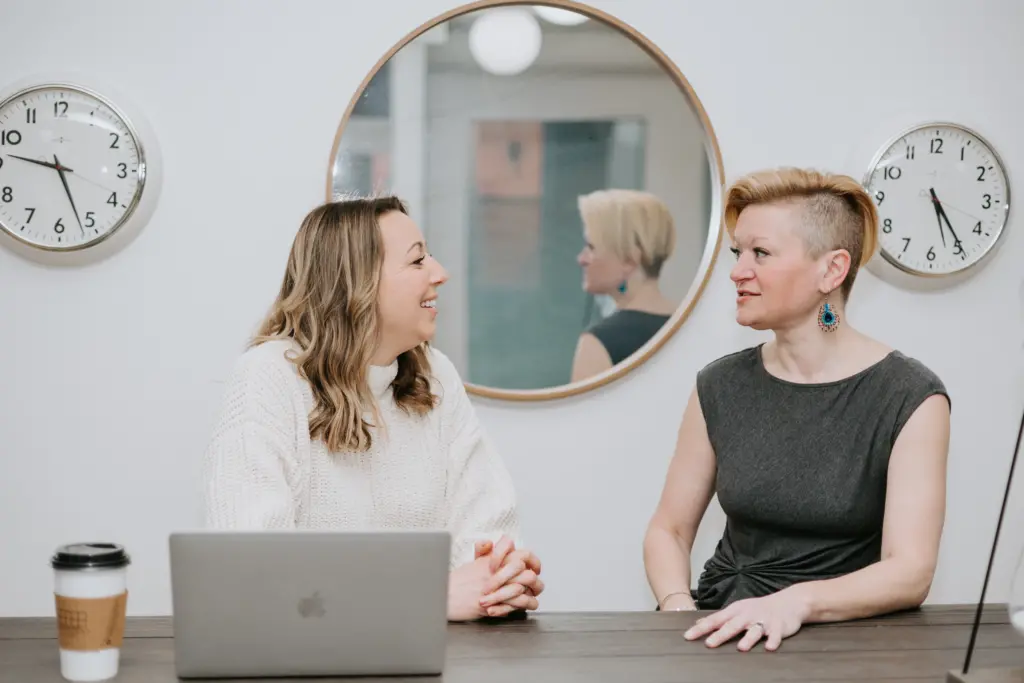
(921, 645)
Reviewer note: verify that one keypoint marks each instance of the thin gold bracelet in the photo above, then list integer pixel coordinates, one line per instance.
(661, 603)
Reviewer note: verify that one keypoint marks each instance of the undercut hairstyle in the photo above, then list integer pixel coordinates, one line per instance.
(836, 211)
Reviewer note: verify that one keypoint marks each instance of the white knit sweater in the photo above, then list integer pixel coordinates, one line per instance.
(262, 470)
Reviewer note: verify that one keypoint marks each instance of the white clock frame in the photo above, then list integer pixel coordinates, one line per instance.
(151, 174)
(908, 273)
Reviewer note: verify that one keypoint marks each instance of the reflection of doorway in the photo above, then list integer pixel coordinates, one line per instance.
(526, 306)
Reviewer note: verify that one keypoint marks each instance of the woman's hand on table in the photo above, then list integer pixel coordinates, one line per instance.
(772, 617)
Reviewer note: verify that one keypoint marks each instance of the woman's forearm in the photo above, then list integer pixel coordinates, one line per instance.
(886, 586)
(667, 562)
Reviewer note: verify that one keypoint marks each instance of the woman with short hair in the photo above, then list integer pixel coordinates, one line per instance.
(827, 448)
(628, 235)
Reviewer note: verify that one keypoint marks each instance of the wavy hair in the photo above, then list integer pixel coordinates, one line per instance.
(837, 211)
(327, 305)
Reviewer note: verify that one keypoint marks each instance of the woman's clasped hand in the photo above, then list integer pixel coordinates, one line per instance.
(500, 580)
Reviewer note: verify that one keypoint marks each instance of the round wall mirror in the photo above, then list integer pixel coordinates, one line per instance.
(564, 173)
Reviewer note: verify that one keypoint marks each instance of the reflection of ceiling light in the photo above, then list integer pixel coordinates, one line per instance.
(505, 40)
(563, 17)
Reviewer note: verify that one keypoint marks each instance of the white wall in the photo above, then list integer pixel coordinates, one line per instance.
(111, 373)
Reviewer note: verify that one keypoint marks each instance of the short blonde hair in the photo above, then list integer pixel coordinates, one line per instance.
(837, 211)
(630, 223)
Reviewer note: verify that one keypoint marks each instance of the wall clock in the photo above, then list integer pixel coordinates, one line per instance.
(943, 197)
(74, 169)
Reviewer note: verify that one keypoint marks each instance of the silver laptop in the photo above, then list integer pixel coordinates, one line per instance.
(309, 603)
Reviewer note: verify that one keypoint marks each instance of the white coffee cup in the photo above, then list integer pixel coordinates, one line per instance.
(91, 596)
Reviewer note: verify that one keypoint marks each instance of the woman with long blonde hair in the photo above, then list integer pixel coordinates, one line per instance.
(826, 448)
(340, 415)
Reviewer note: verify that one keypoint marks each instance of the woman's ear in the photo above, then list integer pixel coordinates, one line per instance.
(837, 267)
(633, 260)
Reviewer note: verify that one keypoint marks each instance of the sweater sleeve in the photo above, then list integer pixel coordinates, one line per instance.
(480, 496)
(252, 465)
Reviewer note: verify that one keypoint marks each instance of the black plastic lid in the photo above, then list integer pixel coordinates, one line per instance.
(90, 556)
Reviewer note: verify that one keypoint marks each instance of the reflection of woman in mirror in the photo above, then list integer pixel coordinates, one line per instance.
(341, 416)
(827, 449)
(628, 237)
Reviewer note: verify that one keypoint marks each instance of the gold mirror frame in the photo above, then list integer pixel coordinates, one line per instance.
(715, 227)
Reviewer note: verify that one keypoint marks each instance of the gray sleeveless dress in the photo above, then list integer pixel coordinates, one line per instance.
(801, 470)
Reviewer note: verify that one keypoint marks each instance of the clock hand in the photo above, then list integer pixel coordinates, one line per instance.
(92, 182)
(67, 190)
(947, 205)
(938, 218)
(956, 240)
(941, 213)
(47, 164)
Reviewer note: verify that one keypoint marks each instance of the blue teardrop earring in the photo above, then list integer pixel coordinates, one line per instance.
(622, 287)
(828, 319)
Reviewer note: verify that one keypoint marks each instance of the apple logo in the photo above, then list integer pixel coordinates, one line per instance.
(313, 606)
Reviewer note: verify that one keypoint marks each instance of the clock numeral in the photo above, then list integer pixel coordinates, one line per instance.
(880, 196)
(90, 219)
(113, 144)
(112, 199)
(893, 172)
(10, 137)
(123, 172)
(58, 227)
(987, 204)
(887, 225)
(906, 243)
(7, 195)
(931, 253)
(30, 115)
(60, 110)
(910, 152)
(1, 162)
(959, 250)
(977, 229)
(981, 174)
(936, 146)
(31, 213)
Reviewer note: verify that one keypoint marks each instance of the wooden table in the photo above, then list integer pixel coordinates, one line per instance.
(922, 645)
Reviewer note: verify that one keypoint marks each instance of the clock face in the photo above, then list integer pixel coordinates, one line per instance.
(72, 169)
(942, 197)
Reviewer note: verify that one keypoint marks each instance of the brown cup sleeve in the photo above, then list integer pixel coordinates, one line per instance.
(90, 624)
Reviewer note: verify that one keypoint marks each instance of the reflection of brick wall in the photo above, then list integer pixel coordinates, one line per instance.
(509, 158)
(509, 185)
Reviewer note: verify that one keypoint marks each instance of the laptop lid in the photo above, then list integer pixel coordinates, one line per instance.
(309, 603)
